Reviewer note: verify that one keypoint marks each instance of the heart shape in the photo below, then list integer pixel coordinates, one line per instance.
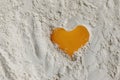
(70, 41)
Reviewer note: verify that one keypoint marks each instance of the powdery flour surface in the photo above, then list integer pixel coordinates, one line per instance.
(27, 53)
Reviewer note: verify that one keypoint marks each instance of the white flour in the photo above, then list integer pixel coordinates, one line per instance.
(27, 53)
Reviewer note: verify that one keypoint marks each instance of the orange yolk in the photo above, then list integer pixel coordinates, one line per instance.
(70, 41)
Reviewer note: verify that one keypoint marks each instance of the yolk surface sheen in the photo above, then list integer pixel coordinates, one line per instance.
(70, 41)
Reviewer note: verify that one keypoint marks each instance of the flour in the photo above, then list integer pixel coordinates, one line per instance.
(27, 53)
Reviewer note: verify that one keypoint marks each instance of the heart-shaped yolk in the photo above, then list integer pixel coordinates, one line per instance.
(70, 41)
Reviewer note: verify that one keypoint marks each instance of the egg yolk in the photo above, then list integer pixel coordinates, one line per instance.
(70, 41)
